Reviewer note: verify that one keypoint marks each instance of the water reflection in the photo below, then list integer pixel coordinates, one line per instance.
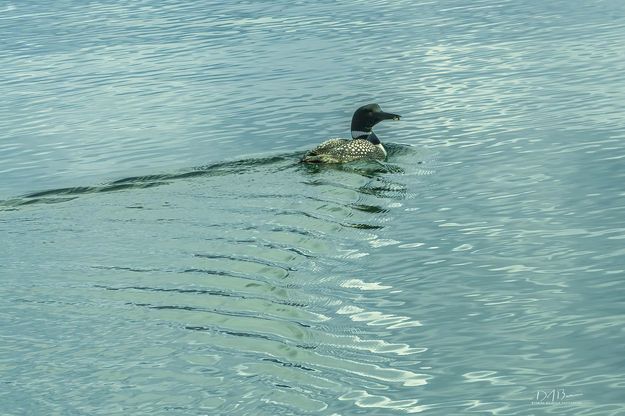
(267, 278)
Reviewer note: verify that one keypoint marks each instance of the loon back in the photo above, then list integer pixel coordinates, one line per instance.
(344, 150)
(364, 145)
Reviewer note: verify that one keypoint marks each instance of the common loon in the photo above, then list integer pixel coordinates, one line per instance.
(364, 145)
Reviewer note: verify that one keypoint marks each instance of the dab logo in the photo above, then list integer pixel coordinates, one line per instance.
(550, 396)
(555, 396)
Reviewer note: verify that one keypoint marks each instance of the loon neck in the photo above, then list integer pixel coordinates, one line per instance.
(365, 135)
(359, 134)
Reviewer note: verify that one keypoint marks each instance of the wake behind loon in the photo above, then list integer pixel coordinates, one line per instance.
(364, 145)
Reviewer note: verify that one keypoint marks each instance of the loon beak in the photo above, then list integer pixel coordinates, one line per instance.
(387, 116)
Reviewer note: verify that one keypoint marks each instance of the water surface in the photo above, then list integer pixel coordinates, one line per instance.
(163, 251)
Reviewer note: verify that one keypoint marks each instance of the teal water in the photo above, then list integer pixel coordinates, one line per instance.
(163, 252)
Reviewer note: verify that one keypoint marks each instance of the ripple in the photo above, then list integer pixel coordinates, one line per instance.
(260, 283)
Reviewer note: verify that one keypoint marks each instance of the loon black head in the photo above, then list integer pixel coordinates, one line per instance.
(365, 118)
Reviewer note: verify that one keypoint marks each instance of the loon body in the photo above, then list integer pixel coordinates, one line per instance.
(364, 144)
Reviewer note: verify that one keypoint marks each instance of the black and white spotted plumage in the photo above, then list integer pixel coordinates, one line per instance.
(345, 150)
(364, 144)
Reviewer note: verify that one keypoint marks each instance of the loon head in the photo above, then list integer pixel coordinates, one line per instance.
(366, 117)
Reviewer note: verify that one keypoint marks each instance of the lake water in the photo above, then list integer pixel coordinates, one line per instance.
(163, 252)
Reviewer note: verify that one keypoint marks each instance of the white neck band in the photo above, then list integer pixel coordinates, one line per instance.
(356, 133)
